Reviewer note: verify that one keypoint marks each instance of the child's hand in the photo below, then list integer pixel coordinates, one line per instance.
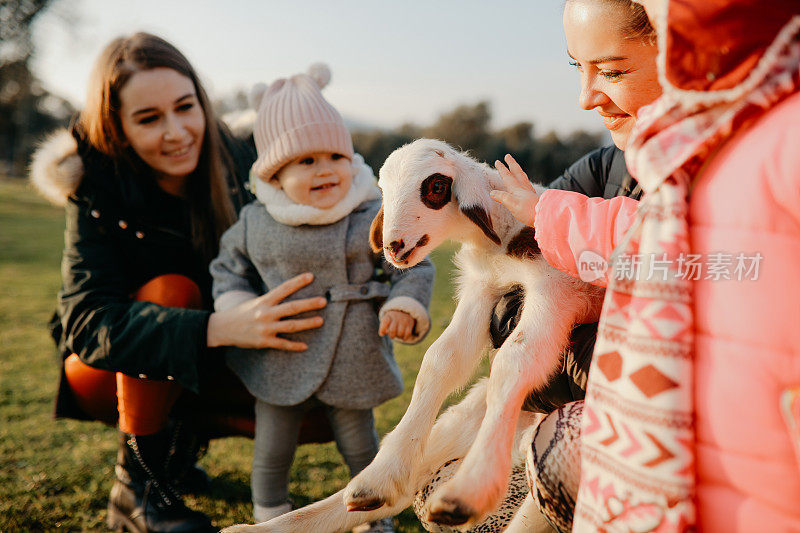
(519, 196)
(398, 325)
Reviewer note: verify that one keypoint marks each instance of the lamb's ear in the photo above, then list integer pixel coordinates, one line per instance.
(481, 218)
(376, 232)
(471, 191)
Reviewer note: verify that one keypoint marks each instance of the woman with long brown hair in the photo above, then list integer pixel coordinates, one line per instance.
(150, 180)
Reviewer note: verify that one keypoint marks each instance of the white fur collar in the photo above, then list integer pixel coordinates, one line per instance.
(56, 168)
(285, 211)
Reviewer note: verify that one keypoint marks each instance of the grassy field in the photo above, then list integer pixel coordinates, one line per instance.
(56, 474)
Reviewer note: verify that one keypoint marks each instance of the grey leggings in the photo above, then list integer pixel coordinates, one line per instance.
(277, 429)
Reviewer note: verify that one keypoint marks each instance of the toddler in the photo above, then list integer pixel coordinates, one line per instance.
(315, 202)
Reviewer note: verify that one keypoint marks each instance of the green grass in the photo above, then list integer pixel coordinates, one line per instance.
(57, 473)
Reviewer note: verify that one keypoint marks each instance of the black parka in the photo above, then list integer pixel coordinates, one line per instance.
(601, 173)
(122, 230)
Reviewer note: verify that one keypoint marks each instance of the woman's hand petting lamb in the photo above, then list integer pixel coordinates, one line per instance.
(398, 325)
(519, 197)
(256, 323)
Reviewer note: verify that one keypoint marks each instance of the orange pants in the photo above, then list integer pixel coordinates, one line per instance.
(144, 405)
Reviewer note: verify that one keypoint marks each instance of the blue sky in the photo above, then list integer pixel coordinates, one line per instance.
(392, 62)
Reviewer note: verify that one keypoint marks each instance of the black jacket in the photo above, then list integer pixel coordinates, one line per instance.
(600, 173)
(121, 231)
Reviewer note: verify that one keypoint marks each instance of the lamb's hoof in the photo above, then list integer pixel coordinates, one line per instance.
(448, 512)
(364, 500)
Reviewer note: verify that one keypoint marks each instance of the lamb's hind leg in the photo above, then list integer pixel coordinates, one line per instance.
(325, 516)
(524, 363)
(447, 365)
(451, 437)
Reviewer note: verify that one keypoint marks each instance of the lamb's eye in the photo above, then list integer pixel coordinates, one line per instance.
(435, 190)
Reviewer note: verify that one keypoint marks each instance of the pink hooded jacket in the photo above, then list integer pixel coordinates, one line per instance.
(747, 332)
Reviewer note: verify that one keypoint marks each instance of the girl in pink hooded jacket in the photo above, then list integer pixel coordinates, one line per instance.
(693, 404)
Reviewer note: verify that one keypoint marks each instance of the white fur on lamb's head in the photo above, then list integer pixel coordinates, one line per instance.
(407, 228)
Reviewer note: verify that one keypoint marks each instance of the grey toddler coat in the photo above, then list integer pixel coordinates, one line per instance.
(346, 364)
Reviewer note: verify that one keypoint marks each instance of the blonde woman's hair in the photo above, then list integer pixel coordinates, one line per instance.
(636, 25)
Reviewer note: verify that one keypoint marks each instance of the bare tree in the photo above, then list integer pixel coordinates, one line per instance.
(26, 109)
(467, 127)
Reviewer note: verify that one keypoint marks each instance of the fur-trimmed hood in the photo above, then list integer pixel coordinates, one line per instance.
(56, 169)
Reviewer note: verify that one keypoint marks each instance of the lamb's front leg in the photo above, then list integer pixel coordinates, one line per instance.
(525, 362)
(447, 365)
(451, 437)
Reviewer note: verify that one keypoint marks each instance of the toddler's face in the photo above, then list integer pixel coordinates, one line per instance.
(320, 179)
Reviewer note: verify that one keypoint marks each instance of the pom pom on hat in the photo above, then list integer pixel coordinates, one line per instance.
(320, 73)
(294, 119)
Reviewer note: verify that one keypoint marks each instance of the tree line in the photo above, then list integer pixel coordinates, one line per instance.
(28, 112)
(468, 127)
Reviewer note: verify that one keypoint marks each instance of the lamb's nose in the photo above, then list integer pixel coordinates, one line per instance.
(395, 246)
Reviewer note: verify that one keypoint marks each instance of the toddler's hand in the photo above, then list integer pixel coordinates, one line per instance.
(398, 325)
(519, 196)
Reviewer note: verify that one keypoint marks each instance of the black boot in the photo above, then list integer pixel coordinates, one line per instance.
(186, 447)
(142, 500)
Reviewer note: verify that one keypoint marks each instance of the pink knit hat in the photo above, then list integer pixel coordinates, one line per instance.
(293, 118)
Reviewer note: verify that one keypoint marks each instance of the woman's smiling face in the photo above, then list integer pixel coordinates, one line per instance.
(163, 123)
(618, 71)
